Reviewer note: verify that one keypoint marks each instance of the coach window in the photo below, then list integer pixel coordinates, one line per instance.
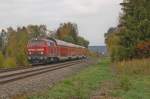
(52, 44)
(48, 43)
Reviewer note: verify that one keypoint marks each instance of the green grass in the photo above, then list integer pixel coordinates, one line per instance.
(81, 85)
(136, 87)
(127, 84)
(134, 79)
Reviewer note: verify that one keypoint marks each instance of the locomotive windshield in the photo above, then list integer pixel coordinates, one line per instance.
(36, 43)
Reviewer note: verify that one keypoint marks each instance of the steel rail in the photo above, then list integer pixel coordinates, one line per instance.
(6, 77)
(30, 66)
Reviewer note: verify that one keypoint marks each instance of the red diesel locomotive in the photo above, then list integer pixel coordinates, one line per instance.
(51, 50)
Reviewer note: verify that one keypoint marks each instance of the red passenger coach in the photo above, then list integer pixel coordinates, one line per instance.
(52, 50)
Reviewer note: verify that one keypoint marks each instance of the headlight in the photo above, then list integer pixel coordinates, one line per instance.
(30, 53)
(42, 53)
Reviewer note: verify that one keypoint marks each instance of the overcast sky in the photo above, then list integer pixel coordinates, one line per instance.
(93, 17)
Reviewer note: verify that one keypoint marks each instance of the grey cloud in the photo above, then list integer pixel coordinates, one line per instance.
(93, 17)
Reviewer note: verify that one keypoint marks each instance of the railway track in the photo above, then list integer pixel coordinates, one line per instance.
(13, 75)
(20, 68)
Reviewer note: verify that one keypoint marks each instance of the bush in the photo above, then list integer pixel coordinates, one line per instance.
(9, 63)
(143, 49)
(21, 59)
(1, 60)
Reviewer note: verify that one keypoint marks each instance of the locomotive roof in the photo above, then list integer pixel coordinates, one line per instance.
(63, 43)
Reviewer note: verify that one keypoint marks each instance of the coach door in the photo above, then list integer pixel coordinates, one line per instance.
(51, 49)
(55, 50)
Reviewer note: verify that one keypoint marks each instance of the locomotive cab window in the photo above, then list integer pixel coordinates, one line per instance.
(36, 43)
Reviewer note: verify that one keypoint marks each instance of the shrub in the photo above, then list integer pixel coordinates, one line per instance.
(21, 59)
(1, 59)
(143, 49)
(9, 63)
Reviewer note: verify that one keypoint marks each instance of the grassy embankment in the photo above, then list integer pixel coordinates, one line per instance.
(81, 85)
(130, 80)
(133, 78)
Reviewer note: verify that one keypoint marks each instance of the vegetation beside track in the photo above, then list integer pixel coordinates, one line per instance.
(81, 85)
(125, 85)
(132, 79)
(128, 45)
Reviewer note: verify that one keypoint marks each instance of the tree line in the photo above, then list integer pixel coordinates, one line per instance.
(69, 32)
(13, 42)
(131, 38)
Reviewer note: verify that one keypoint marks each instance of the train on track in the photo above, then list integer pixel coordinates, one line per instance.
(47, 50)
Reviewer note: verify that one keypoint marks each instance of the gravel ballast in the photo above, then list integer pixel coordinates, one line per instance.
(39, 83)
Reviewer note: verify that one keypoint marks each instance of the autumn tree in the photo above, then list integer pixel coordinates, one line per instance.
(36, 30)
(82, 42)
(69, 33)
(133, 29)
(67, 29)
(16, 47)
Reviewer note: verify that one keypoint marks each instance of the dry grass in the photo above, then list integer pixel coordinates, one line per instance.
(136, 66)
(132, 79)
